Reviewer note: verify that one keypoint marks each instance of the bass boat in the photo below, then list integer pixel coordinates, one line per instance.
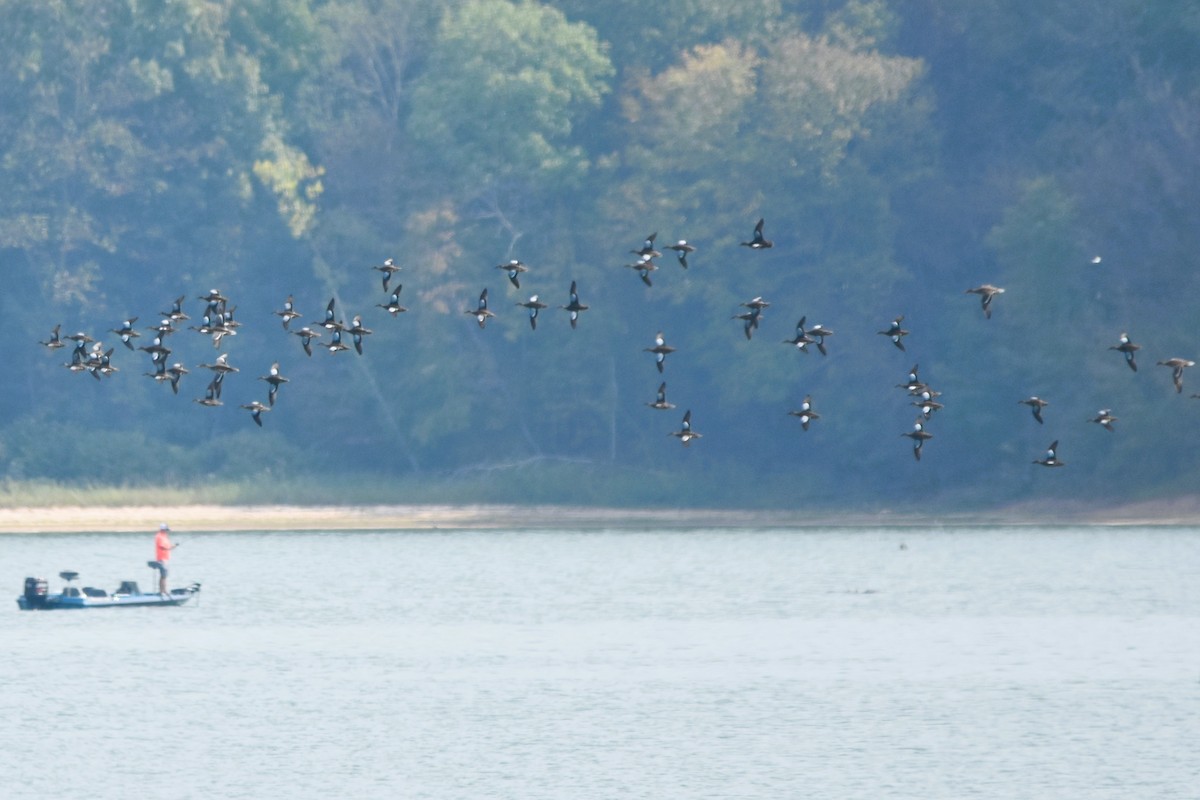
(38, 598)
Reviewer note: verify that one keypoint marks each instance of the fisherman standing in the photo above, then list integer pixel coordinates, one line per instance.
(162, 554)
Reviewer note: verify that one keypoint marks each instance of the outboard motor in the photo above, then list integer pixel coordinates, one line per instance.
(36, 590)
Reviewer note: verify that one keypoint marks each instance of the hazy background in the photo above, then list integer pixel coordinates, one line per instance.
(900, 153)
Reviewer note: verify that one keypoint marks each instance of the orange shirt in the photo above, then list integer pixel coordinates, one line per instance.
(162, 547)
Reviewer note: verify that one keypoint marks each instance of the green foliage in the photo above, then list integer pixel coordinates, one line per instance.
(650, 36)
(899, 153)
(1036, 234)
(820, 94)
(295, 182)
(505, 86)
(129, 116)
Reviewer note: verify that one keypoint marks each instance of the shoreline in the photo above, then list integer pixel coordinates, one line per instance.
(218, 518)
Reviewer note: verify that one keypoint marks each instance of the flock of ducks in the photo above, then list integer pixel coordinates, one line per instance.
(217, 322)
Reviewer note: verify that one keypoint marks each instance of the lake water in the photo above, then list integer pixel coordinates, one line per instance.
(970, 663)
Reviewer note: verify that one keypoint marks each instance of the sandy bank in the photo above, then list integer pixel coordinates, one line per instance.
(411, 517)
(66, 519)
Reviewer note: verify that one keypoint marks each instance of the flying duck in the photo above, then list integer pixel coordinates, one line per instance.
(644, 265)
(1128, 348)
(802, 340)
(215, 303)
(330, 322)
(55, 341)
(392, 306)
(100, 364)
(165, 327)
(647, 250)
(208, 324)
(1105, 418)
(159, 375)
(986, 293)
(749, 320)
(211, 395)
(574, 306)
(682, 249)
(1036, 404)
(1177, 366)
(660, 350)
(221, 366)
(757, 242)
(751, 317)
(228, 322)
(175, 371)
(805, 412)
(534, 306)
(927, 406)
(357, 332)
(335, 341)
(923, 391)
(275, 378)
(288, 312)
(480, 312)
(387, 268)
(919, 436)
(513, 269)
(895, 332)
(79, 352)
(176, 313)
(216, 383)
(225, 325)
(256, 408)
(214, 298)
(306, 335)
(1051, 459)
(913, 381)
(660, 401)
(126, 332)
(685, 433)
(818, 334)
(81, 359)
(158, 353)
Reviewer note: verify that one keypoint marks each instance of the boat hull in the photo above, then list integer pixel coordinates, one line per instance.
(57, 602)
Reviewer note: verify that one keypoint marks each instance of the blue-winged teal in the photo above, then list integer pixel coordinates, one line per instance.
(757, 242)
(1051, 458)
(534, 305)
(1177, 365)
(480, 312)
(682, 250)
(919, 436)
(660, 401)
(574, 307)
(806, 413)
(1036, 404)
(895, 332)
(986, 293)
(388, 267)
(513, 269)
(685, 432)
(660, 350)
(1126, 346)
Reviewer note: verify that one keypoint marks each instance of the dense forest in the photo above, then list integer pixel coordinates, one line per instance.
(898, 153)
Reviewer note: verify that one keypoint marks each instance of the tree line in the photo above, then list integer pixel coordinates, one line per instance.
(900, 153)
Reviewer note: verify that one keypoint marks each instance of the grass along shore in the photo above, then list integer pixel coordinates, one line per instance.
(54, 508)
